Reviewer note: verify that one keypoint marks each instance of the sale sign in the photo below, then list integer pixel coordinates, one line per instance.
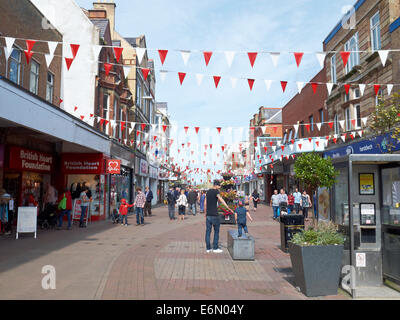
(114, 166)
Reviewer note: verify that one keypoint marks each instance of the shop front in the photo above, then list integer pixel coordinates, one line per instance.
(120, 186)
(153, 184)
(88, 170)
(142, 173)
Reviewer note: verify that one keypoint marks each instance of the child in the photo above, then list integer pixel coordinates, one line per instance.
(240, 218)
(123, 211)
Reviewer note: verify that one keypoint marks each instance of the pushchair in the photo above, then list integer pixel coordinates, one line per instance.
(115, 217)
(283, 208)
(48, 217)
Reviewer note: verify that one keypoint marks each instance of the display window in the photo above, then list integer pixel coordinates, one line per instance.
(391, 196)
(340, 194)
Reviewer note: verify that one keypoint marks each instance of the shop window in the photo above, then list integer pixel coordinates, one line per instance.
(50, 87)
(15, 74)
(375, 32)
(391, 196)
(340, 193)
(34, 77)
(352, 47)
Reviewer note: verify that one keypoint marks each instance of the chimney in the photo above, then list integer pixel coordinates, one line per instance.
(109, 7)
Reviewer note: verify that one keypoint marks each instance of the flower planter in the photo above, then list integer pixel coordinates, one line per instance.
(316, 268)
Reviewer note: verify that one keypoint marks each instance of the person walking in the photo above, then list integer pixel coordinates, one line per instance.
(85, 202)
(240, 217)
(65, 205)
(149, 198)
(177, 193)
(305, 204)
(182, 204)
(297, 200)
(212, 217)
(202, 199)
(290, 203)
(171, 203)
(315, 200)
(256, 199)
(275, 203)
(192, 200)
(123, 211)
(139, 203)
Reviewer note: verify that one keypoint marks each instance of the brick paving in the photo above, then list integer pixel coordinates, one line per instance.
(162, 260)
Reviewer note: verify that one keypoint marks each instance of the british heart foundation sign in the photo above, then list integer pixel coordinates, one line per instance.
(114, 166)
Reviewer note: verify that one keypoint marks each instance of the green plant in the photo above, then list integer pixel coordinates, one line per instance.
(323, 235)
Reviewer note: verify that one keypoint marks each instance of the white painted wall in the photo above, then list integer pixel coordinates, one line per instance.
(78, 84)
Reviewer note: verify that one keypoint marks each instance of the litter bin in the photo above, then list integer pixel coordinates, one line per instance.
(290, 225)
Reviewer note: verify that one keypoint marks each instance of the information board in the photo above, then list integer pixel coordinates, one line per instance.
(27, 220)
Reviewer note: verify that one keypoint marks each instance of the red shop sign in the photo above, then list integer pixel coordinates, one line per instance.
(30, 160)
(82, 163)
(114, 166)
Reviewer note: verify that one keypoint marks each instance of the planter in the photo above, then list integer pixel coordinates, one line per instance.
(316, 268)
(230, 221)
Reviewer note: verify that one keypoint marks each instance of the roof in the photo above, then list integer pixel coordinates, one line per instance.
(101, 24)
(132, 41)
(275, 115)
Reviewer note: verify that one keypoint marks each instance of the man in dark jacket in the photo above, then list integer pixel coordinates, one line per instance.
(171, 203)
(192, 199)
(149, 197)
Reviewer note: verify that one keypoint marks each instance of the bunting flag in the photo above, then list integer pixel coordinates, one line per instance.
(9, 46)
(199, 78)
(229, 55)
(186, 129)
(347, 88)
(28, 56)
(362, 89)
(283, 85)
(143, 125)
(268, 84)
(296, 128)
(140, 54)
(95, 49)
(185, 56)
(127, 70)
(219, 130)
(345, 57)
(117, 53)
(234, 82)
(29, 44)
(252, 58)
(145, 72)
(341, 122)
(377, 87)
(207, 56)
(321, 58)
(216, 80)
(330, 125)
(383, 54)
(275, 57)
(298, 56)
(182, 76)
(107, 68)
(251, 83)
(314, 86)
(74, 49)
(389, 88)
(300, 86)
(163, 55)
(164, 127)
(197, 129)
(68, 62)
(329, 87)
(319, 126)
(163, 75)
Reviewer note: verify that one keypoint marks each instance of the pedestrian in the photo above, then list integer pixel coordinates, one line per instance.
(212, 217)
(177, 193)
(202, 199)
(192, 200)
(305, 204)
(171, 203)
(256, 198)
(182, 204)
(240, 217)
(149, 198)
(85, 202)
(297, 200)
(65, 205)
(315, 200)
(275, 203)
(139, 203)
(123, 211)
(290, 203)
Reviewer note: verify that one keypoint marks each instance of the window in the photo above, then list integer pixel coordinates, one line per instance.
(115, 116)
(121, 117)
(336, 124)
(357, 93)
(138, 94)
(312, 122)
(290, 134)
(347, 118)
(302, 129)
(346, 97)
(333, 68)
(321, 115)
(352, 46)
(15, 67)
(375, 32)
(357, 112)
(379, 97)
(34, 77)
(105, 107)
(284, 138)
(50, 87)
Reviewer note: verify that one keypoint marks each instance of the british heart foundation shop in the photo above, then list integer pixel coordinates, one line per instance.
(26, 174)
(87, 169)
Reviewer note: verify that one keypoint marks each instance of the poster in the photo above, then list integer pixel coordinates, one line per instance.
(367, 184)
(361, 261)
(27, 220)
(323, 203)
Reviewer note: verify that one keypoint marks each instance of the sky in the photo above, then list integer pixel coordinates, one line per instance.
(227, 25)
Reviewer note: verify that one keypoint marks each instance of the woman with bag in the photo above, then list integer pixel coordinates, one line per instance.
(182, 204)
(305, 204)
(65, 206)
(256, 198)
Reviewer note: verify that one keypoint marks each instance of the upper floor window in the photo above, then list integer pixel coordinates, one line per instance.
(312, 122)
(375, 32)
(356, 93)
(34, 77)
(15, 67)
(357, 113)
(115, 117)
(121, 117)
(352, 46)
(290, 135)
(347, 118)
(333, 68)
(50, 87)
(336, 124)
(138, 94)
(302, 129)
(347, 97)
(321, 115)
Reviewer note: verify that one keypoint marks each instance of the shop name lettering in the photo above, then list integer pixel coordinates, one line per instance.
(79, 165)
(42, 162)
(204, 310)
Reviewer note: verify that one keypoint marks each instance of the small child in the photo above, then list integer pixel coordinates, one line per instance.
(240, 218)
(123, 211)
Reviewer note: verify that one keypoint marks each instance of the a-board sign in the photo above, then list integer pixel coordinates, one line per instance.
(27, 220)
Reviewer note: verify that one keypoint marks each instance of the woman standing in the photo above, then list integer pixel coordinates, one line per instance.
(202, 198)
(182, 204)
(256, 198)
(85, 201)
(305, 203)
(290, 203)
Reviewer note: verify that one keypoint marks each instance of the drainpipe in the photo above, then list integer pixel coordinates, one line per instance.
(350, 175)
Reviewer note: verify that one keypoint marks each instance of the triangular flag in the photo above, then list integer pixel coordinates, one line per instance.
(107, 68)
(283, 85)
(145, 72)
(314, 87)
(251, 83)
(28, 56)
(96, 51)
(49, 59)
(341, 122)
(345, 57)
(164, 127)
(299, 145)
(330, 125)
(275, 57)
(68, 62)
(199, 78)
(268, 84)
(362, 89)
(182, 76)
(127, 70)
(143, 125)
(383, 54)
(207, 56)
(74, 49)
(377, 88)
(364, 120)
(140, 54)
(229, 55)
(329, 86)
(186, 129)
(252, 57)
(163, 55)
(185, 56)
(296, 128)
(219, 130)
(197, 129)
(30, 44)
(343, 137)
(347, 88)
(360, 132)
(216, 80)
(9, 46)
(319, 126)
(117, 53)
(298, 56)
(300, 86)
(389, 88)
(163, 75)
(321, 58)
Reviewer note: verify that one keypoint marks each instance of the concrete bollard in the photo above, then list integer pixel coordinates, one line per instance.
(240, 248)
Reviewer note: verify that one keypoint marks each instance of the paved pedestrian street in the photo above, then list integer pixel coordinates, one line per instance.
(162, 260)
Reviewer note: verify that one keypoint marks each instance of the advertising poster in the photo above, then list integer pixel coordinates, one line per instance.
(323, 203)
(367, 184)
